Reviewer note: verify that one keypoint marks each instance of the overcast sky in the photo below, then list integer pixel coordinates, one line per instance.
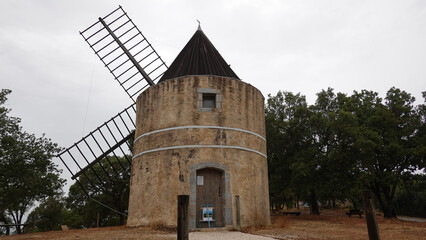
(60, 87)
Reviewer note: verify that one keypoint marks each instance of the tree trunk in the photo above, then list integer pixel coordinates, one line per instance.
(17, 220)
(313, 204)
(4, 219)
(389, 209)
(386, 205)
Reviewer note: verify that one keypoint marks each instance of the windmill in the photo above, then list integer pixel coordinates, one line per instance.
(199, 131)
(100, 156)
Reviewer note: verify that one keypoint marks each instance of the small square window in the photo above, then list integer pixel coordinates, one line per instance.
(209, 100)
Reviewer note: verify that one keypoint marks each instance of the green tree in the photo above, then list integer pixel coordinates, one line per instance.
(334, 127)
(333, 149)
(27, 173)
(410, 197)
(51, 214)
(292, 163)
(386, 142)
(7, 124)
(280, 189)
(4, 219)
(420, 138)
(309, 148)
(113, 193)
(48, 216)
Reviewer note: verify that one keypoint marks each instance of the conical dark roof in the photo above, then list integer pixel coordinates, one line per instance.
(199, 57)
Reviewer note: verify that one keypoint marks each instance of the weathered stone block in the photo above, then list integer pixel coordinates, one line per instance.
(175, 138)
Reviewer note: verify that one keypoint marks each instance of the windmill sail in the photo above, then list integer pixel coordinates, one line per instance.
(125, 51)
(103, 154)
(102, 157)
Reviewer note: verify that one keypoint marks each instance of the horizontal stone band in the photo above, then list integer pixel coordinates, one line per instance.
(198, 146)
(195, 126)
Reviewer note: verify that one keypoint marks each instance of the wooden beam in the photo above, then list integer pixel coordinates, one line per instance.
(237, 210)
(182, 221)
(370, 215)
(102, 156)
(130, 56)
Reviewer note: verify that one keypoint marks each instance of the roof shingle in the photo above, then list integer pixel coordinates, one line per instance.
(198, 57)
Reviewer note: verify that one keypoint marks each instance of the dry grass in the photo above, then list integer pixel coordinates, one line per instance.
(106, 233)
(162, 228)
(334, 224)
(281, 222)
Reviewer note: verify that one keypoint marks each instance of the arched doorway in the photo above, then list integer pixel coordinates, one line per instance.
(210, 194)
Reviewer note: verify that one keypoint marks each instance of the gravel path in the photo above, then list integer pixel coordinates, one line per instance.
(411, 219)
(225, 235)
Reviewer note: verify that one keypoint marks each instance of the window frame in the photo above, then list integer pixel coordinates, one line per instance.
(202, 93)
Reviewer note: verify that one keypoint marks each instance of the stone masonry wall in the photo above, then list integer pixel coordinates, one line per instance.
(172, 134)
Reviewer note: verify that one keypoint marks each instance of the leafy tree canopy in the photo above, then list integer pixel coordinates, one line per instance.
(113, 193)
(27, 173)
(333, 149)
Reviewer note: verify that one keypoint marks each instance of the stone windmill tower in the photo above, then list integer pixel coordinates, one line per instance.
(200, 131)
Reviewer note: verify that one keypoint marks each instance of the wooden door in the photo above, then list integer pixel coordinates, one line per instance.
(210, 192)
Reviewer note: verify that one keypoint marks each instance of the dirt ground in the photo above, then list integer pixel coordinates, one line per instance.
(336, 225)
(107, 233)
(330, 225)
